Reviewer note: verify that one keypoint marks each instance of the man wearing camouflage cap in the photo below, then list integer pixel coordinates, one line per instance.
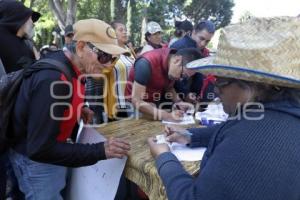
(153, 37)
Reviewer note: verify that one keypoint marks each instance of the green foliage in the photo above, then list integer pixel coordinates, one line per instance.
(99, 9)
(219, 11)
(46, 23)
(165, 11)
(132, 14)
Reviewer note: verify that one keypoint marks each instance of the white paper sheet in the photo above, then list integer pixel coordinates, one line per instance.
(184, 153)
(181, 151)
(187, 119)
(98, 181)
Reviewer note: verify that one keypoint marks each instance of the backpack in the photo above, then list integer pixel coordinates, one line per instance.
(9, 88)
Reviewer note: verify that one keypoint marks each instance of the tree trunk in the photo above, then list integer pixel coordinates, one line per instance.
(31, 3)
(64, 17)
(143, 31)
(112, 10)
(71, 12)
(129, 18)
(144, 21)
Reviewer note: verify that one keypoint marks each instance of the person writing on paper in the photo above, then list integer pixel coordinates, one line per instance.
(255, 154)
(151, 79)
(197, 88)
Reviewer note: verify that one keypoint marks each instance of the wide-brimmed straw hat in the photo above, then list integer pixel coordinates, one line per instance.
(265, 50)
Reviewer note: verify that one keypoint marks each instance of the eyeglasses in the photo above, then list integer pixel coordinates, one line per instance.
(184, 73)
(102, 57)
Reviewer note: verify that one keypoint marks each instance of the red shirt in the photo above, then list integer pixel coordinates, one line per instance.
(159, 82)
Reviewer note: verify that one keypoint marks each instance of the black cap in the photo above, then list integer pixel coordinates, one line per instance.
(35, 16)
(69, 30)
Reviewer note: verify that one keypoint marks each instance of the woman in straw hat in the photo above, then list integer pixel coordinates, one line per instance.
(256, 153)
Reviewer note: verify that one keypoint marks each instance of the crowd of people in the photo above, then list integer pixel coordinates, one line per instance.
(256, 70)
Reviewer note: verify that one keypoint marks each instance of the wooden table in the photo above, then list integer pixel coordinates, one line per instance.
(140, 167)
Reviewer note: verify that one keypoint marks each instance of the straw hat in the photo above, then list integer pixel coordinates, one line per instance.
(263, 50)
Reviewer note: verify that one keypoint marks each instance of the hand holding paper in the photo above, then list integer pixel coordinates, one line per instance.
(116, 148)
(181, 151)
(177, 134)
(161, 139)
(157, 149)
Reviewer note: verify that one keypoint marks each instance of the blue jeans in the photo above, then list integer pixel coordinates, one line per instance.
(38, 180)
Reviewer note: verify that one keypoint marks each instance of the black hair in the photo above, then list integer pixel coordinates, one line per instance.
(178, 33)
(147, 34)
(186, 25)
(269, 93)
(114, 24)
(138, 50)
(189, 54)
(207, 25)
(177, 24)
(181, 26)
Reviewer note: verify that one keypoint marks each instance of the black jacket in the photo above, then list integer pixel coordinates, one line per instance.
(37, 119)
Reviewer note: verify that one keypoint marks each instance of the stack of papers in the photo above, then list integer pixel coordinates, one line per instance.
(213, 112)
(187, 119)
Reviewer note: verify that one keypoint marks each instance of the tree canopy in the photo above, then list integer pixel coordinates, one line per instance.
(56, 14)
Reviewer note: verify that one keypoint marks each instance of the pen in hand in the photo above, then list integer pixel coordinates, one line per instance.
(181, 136)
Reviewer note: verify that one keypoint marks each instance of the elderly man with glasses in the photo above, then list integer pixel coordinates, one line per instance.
(48, 107)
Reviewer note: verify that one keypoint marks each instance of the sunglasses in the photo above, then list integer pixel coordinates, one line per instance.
(102, 57)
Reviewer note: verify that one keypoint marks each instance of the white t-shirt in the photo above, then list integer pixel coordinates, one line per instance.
(146, 48)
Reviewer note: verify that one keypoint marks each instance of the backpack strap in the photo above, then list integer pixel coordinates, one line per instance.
(55, 65)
